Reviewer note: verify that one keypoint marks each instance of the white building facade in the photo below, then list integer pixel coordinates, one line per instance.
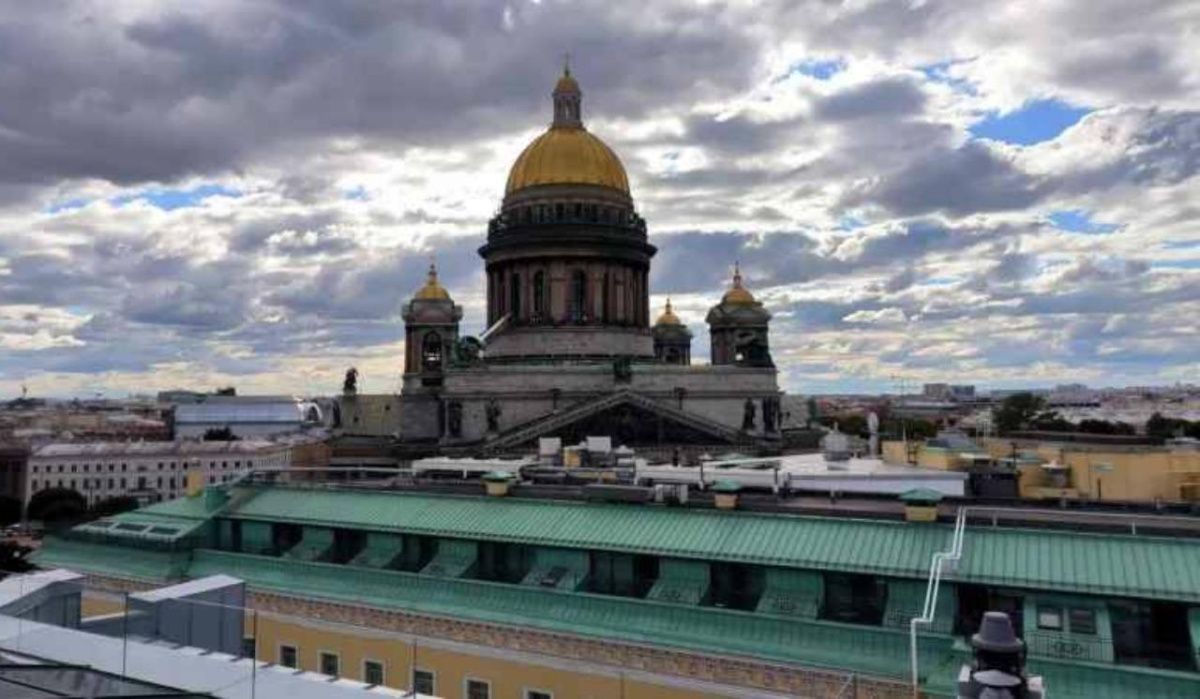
(149, 471)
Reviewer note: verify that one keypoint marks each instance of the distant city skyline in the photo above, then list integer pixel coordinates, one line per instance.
(213, 194)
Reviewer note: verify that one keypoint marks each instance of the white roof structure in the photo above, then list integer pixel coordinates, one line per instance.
(282, 411)
(187, 589)
(191, 669)
(16, 587)
(810, 472)
(178, 448)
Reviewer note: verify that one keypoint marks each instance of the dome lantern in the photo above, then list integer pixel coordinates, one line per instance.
(568, 102)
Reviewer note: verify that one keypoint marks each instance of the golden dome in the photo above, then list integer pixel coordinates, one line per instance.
(567, 153)
(432, 290)
(738, 295)
(668, 316)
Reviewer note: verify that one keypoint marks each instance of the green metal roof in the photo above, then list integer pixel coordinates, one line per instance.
(885, 547)
(1074, 679)
(1099, 681)
(921, 495)
(185, 507)
(122, 562)
(1104, 564)
(1101, 564)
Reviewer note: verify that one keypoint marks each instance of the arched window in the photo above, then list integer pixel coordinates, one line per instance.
(578, 296)
(514, 296)
(605, 309)
(431, 352)
(539, 295)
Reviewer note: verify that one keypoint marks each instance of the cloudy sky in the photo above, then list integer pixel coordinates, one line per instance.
(244, 192)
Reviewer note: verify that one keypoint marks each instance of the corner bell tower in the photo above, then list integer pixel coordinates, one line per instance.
(430, 331)
(738, 327)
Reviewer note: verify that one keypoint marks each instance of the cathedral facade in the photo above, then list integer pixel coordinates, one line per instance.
(570, 349)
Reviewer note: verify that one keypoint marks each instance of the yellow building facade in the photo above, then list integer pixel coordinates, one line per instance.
(1053, 470)
(318, 642)
(1102, 472)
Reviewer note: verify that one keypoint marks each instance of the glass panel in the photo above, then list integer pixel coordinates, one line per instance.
(477, 689)
(329, 664)
(1082, 621)
(1049, 618)
(423, 682)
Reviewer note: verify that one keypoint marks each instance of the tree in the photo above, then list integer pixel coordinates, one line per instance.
(1168, 427)
(913, 428)
(219, 434)
(1051, 421)
(847, 424)
(10, 510)
(1105, 427)
(814, 411)
(227, 391)
(1017, 411)
(113, 506)
(57, 505)
(12, 558)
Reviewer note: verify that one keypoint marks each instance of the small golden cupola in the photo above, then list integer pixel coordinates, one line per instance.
(672, 339)
(668, 316)
(433, 290)
(738, 295)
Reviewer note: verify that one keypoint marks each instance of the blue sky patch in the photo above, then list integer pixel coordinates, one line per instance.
(171, 199)
(357, 193)
(850, 223)
(940, 73)
(1078, 221)
(68, 205)
(1193, 263)
(1034, 122)
(821, 70)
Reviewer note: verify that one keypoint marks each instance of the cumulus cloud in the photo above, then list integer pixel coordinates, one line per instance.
(220, 192)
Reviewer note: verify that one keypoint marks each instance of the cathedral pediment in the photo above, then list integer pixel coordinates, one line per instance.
(629, 418)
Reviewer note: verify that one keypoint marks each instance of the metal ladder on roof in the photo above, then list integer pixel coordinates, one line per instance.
(937, 566)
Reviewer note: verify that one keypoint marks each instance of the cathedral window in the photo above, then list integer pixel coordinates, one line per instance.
(514, 296)
(539, 295)
(578, 296)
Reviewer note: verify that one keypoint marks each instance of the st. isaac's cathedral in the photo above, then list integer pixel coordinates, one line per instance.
(570, 349)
